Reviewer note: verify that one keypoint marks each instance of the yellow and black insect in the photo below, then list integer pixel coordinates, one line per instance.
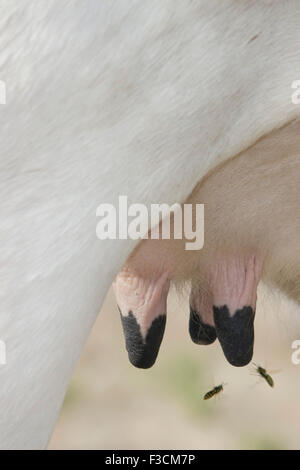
(214, 391)
(264, 374)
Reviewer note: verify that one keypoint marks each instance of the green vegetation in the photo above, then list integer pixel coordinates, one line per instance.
(184, 377)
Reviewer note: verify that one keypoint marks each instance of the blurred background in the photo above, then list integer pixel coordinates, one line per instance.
(112, 405)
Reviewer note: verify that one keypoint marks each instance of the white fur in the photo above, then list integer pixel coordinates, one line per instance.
(104, 98)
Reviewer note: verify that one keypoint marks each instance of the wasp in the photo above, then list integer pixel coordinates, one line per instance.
(264, 374)
(214, 391)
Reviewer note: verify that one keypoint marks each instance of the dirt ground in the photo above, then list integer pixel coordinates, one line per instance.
(112, 405)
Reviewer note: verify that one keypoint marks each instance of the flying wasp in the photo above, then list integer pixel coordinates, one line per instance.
(214, 391)
(264, 374)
